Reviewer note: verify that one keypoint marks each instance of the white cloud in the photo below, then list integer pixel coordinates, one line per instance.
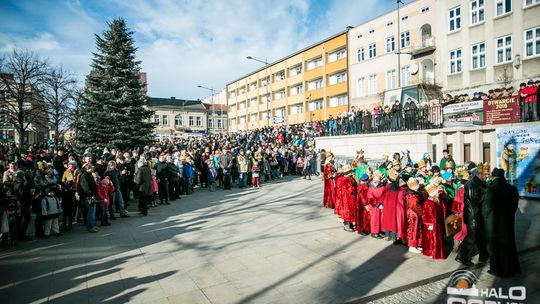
(42, 42)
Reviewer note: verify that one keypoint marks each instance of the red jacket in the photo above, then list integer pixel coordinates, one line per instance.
(528, 94)
(103, 193)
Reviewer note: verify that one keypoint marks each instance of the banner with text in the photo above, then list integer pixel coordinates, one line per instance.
(501, 110)
(465, 114)
(518, 153)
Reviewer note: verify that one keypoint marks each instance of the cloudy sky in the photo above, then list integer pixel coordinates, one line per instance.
(181, 43)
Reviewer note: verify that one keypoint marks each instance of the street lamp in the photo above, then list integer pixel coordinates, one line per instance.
(398, 45)
(265, 62)
(212, 101)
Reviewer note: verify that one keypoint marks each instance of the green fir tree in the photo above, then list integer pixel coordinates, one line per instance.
(113, 112)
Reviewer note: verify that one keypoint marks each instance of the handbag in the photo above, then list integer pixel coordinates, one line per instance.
(453, 224)
(93, 201)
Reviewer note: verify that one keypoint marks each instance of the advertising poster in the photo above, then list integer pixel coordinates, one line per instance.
(501, 110)
(518, 153)
(465, 114)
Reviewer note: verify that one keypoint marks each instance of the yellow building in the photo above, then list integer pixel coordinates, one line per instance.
(310, 84)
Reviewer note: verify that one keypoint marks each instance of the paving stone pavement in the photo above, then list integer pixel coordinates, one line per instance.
(276, 244)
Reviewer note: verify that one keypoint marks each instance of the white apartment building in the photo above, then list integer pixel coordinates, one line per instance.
(373, 54)
(482, 43)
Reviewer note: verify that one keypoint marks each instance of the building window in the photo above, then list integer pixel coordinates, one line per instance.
(241, 90)
(219, 123)
(315, 84)
(532, 42)
(372, 86)
(504, 49)
(503, 7)
(477, 11)
(265, 81)
(478, 56)
(279, 76)
(405, 39)
(253, 102)
(425, 9)
(178, 121)
(337, 55)
(199, 121)
(295, 90)
(390, 44)
(337, 78)
(232, 108)
(390, 79)
(252, 86)
(265, 115)
(295, 70)
(336, 101)
(528, 3)
(191, 121)
(361, 86)
(232, 94)
(403, 18)
(242, 105)
(454, 19)
(232, 121)
(279, 95)
(210, 123)
(265, 98)
(296, 109)
(455, 61)
(314, 63)
(279, 112)
(242, 120)
(156, 119)
(315, 105)
(360, 55)
(165, 120)
(405, 76)
(372, 50)
(253, 118)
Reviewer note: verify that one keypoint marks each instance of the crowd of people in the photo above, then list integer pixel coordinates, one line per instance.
(424, 206)
(62, 185)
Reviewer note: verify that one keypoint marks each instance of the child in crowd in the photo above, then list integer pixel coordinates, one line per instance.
(155, 188)
(105, 189)
(51, 209)
(256, 180)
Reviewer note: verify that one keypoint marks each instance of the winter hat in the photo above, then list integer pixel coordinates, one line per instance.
(413, 184)
(364, 177)
(497, 172)
(421, 164)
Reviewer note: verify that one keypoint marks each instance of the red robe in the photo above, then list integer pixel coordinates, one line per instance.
(400, 214)
(375, 196)
(414, 219)
(457, 207)
(390, 198)
(432, 240)
(362, 219)
(348, 200)
(338, 204)
(329, 186)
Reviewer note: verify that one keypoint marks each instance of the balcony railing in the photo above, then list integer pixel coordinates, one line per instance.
(427, 44)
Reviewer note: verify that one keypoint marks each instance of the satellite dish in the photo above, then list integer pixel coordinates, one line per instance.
(413, 69)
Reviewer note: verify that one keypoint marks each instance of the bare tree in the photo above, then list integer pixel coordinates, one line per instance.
(59, 96)
(75, 111)
(506, 76)
(21, 80)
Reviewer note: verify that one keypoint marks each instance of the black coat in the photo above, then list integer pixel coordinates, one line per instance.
(143, 179)
(475, 241)
(500, 206)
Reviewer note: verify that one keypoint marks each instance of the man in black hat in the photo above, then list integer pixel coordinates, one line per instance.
(500, 206)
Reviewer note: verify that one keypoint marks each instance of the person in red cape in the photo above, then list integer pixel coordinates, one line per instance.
(375, 199)
(433, 224)
(338, 206)
(457, 206)
(362, 219)
(413, 202)
(329, 182)
(348, 199)
(400, 213)
(390, 198)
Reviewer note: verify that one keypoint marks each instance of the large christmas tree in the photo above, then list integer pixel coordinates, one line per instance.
(112, 111)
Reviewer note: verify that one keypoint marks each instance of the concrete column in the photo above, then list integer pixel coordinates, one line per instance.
(477, 147)
(441, 142)
(458, 148)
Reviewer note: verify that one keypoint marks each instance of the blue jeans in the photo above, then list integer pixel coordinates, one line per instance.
(391, 234)
(91, 217)
(119, 201)
(242, 180)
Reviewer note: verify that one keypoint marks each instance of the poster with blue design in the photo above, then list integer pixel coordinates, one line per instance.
(518, 153)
